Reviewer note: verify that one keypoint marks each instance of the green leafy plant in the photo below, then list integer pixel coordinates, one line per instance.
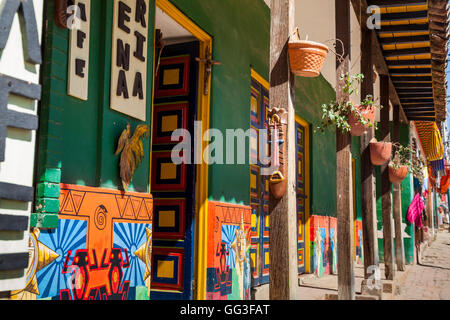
(337, 112)
(404, 156)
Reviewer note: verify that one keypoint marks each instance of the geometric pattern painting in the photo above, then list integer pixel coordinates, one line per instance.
(101, 249)
(228, 252)
(301, 194)
(259, 187)
(173, 184)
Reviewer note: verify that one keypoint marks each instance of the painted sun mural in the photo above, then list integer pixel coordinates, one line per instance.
(101, 249)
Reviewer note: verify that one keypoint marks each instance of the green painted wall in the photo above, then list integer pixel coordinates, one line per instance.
(240, 41)
(407, 197)
(310, 94)
(81, 136)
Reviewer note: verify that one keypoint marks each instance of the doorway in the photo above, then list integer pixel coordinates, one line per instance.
(179, 190)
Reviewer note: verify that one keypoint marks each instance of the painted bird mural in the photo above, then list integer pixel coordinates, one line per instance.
(132, 152)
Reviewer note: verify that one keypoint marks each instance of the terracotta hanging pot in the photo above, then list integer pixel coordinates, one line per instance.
(397, 175)
(356, 128)
(380, 152)
(307, 57)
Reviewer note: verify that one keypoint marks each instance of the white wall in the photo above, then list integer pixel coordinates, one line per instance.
(316, 20)
(20, 143)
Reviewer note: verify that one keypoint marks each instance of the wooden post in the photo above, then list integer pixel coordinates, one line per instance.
(283, 212)
(346, 280)
(386, 185)
(398, 220)
(369, 215)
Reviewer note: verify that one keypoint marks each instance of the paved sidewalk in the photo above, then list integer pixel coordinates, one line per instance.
(429, 280)
(313, 288)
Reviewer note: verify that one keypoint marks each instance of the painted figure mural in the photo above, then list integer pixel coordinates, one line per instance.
(228, 269)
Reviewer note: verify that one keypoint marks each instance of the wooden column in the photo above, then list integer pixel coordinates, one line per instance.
(283, 212)
(369, 214)
(346, 280)
(386, 186)
(398, 220)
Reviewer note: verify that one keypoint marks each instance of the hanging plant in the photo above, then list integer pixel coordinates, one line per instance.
(380, 152)
(402, 163)
(345, 115)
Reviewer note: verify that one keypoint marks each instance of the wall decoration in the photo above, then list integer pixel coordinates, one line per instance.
(228, 262)
(278, 126)
(323, 237)
(132, 152)
(129, 57)
(359, 256)
(78, 76)
(101, 249)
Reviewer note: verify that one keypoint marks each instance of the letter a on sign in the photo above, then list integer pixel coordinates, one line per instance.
(129, 57)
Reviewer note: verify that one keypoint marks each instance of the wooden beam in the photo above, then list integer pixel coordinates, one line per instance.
(402, 92)
(345, 241)
(397, 199)
(411, 62)
(424, 79)
(283, 212)
(422, 119)
(405, 39)
(417, 101)
(411, 71)
(369, 215)
(360, 9)
(400, 16)
(396, 3)
(386, 201)
(407, 28)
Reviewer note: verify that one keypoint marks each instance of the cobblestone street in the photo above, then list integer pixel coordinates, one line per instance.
(429, 280)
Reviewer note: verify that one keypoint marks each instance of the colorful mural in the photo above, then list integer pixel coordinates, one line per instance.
(323, 235)
(228, 262)
(101, 249)
(359, 242)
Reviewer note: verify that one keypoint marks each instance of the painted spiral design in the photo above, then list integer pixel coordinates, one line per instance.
(100, 217)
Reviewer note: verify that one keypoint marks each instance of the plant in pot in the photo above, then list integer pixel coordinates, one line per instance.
(380, 152)
(400, 164)
(345, 115)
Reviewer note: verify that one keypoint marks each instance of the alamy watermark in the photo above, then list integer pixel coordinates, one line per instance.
(227, 149)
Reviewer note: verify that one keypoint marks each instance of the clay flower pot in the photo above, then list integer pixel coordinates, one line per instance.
(306, 57)
(358, 129)
(397, 175)
(380, 152)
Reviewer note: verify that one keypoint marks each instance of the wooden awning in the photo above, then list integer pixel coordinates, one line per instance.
(414, 42)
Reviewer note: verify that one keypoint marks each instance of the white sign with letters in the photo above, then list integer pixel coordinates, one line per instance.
(129, 57)
(79, 24)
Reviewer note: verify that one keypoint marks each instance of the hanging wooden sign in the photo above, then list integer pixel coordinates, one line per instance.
(78, 22)
(129, 57)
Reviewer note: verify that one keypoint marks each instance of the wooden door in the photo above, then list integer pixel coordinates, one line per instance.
(173, 186)
(259, 189)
